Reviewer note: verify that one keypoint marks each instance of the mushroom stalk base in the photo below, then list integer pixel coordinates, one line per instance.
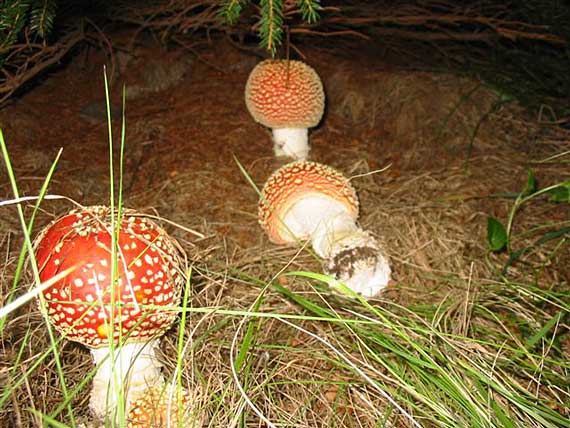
(134, 368)
(359, 261)
(291, 142)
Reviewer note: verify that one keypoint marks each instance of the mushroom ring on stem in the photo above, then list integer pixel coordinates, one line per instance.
(288, 97)
(121, 321)
(307, 200)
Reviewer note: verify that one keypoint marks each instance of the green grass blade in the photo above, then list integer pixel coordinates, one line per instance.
(24, 249)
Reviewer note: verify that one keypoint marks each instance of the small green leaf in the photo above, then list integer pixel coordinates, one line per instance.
(496, 234)
(530, 187)
(560, 193)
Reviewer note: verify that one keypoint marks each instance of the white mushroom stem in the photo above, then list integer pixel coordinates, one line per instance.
(291, 142)
(351, 254)
(134, 368)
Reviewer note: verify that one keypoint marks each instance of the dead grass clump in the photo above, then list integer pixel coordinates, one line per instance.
(409, 106)
(432, 237)
(29, 372)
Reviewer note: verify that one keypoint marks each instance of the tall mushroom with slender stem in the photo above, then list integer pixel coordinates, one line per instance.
(309, 200)
(121, 321)
(288, 97)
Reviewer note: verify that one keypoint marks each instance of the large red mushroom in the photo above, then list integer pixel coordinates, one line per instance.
(128, 314)
(308, 200)
(286, 96)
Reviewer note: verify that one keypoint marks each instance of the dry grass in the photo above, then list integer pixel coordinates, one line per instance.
(429, 209)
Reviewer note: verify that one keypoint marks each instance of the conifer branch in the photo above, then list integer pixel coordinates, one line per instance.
(42, 16)
(271, 24)
(12, 20)
(231, 10)
(309, 9)
(271, 21)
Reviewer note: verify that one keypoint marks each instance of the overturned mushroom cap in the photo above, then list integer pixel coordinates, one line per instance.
(83, 305)
(294, 182)
(285, 94)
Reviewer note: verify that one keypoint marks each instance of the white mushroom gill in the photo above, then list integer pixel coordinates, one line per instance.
(350, 254)
(291, 142)
(322, 219)
(133, 368)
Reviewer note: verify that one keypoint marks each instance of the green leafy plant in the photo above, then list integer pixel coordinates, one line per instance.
(500, 235)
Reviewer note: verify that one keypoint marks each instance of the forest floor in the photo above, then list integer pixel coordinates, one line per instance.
(445, 145)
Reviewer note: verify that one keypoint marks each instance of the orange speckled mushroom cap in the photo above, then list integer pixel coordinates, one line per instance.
(161, 407)
(80, 304)
(297, 180)
(285, 94)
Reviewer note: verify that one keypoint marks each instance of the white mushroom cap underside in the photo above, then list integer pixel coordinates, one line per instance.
(285, 94)
(295, 181)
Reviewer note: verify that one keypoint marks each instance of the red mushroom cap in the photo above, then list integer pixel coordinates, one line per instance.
(80, 305)
(295, 181)
(285, 94)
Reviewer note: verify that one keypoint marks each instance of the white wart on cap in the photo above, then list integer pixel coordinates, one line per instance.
(288, 97)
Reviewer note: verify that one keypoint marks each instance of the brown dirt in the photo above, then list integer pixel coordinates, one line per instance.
(186, 130)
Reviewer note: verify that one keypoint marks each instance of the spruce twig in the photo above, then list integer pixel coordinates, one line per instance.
(271, 24)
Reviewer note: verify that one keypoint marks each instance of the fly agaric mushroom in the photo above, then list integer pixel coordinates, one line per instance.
(85, 306)
(163, 407)
(308, 200)
(288, 97)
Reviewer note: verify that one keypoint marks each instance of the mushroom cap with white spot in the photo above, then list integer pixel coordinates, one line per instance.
(285, 94)
(295, 181)
(162, 407)
(84, 306)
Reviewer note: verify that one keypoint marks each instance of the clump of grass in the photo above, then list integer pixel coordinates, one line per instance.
(491, 354)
